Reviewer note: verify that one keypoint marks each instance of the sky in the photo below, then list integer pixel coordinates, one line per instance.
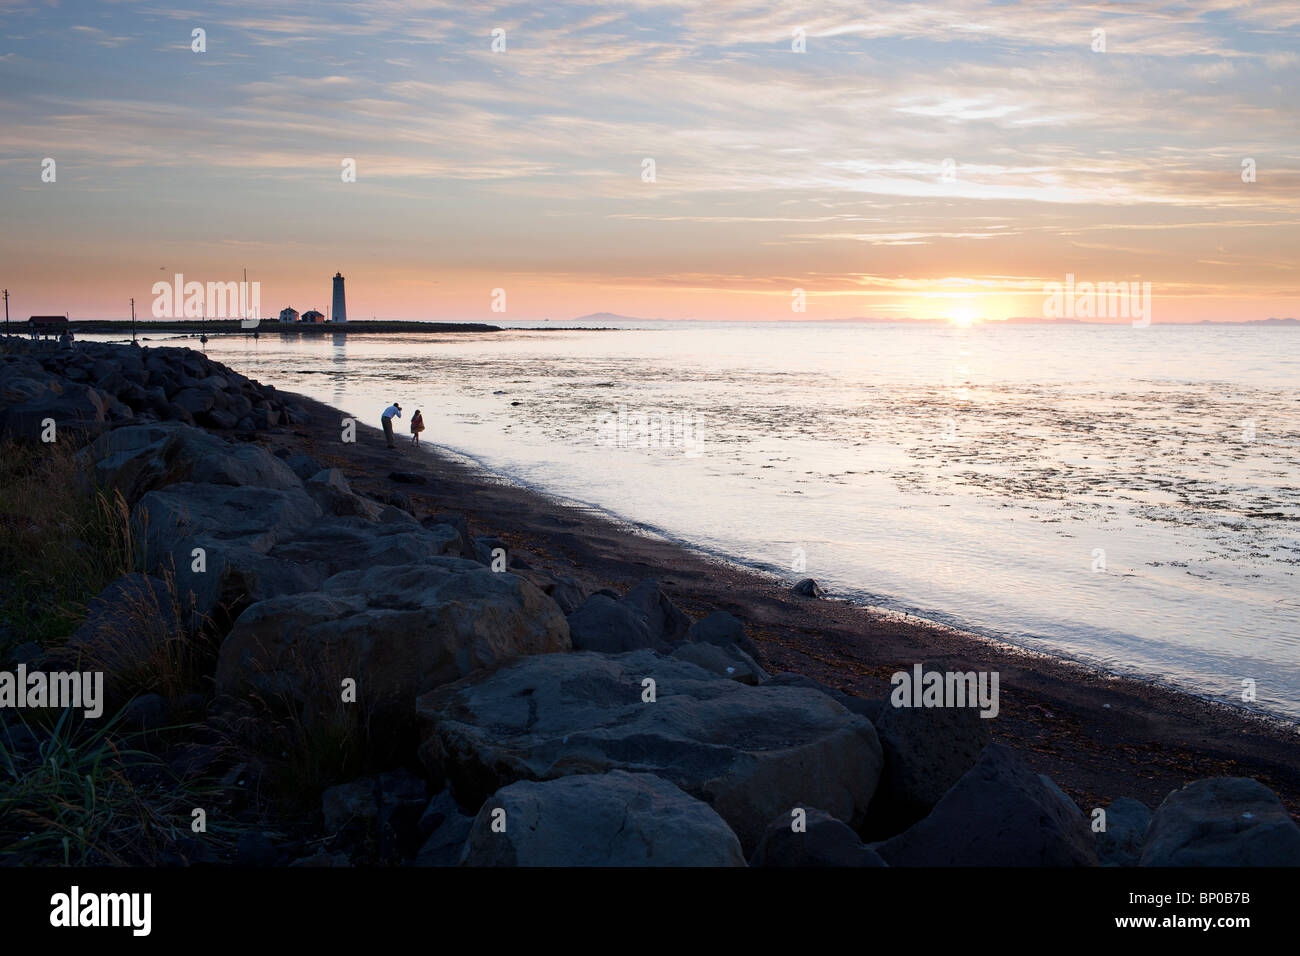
(915, 160)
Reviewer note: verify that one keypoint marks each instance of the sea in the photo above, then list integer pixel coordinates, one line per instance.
(1127, 497)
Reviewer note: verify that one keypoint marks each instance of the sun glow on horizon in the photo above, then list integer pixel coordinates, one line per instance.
(964, 317)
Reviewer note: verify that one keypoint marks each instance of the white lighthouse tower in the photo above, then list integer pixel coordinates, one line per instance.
(339, 313)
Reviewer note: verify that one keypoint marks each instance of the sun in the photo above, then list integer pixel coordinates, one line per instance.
(963, 317)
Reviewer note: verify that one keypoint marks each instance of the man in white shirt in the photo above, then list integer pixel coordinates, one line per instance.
(389, 412)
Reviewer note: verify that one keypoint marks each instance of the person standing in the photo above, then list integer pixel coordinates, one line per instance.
(389, 412)
(417, 426)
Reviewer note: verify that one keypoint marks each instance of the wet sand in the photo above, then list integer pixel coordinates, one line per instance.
(1099, 736)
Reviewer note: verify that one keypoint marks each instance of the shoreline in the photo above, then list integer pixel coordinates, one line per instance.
(1099, 735)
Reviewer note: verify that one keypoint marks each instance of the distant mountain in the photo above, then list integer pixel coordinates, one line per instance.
(611, 317)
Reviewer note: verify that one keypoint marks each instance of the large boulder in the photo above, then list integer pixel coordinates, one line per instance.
(398, 631)
(444, 828)
(730, 661)
(1223, 821)
(74, 409)
(330, 489)
(822, 841)
(137, 459)
(722, 629)
(1000, 813)
(234, 527)
(1120, 844)
(607, 819)
(927, 749)
(750, 752)
(611, 627)
(665, 620)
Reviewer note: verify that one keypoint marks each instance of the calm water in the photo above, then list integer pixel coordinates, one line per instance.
(1127, 497)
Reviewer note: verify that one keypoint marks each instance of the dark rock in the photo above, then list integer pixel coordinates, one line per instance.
(407, 477)
(607, 819)
(610, 627)
(1120, 844)
(402, 630)
(665, 621)
(867, 707)
(751, 752)
(444, 828)
(721, 629)
(402, 800)
(1222, 821)
(998, 814)
(730, 661)
(355, 802)
(808, 588)
(304, 466)
(825, 841)
(927, 750)
(255, 849)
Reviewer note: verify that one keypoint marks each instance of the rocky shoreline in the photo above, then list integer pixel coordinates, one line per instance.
(371, 656)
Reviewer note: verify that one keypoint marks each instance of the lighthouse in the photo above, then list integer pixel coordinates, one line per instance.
(340, 309)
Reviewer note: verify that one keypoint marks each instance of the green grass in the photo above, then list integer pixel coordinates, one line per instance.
(89, 799)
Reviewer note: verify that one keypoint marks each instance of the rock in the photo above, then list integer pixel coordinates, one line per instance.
(140, 458)
(721, 629)
(444, 829)
(1222, 821)
(350, 803)
(331, 491)
(825, 841)
(808, 588)
(459, 523)
(1120, 844)
(927, 750)
(564, 590)
(399, 631)
(77, 408)
(334, 545)
(730, 661)
(607, 819)
(998, 814)
(323, 859)
(304, 466)
(195, 401)
(407, 477)
(610, 627)
(255, 849)
(485, 545)
(249, 465)
(750, 752)
(235, 527)
(217, 418)
(402, 799)
(661, 616)
(867, 707)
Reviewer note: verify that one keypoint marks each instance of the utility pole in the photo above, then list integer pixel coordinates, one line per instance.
(133, 342)
(6, 311)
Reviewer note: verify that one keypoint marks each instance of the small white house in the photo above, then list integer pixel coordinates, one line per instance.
(288, 315)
